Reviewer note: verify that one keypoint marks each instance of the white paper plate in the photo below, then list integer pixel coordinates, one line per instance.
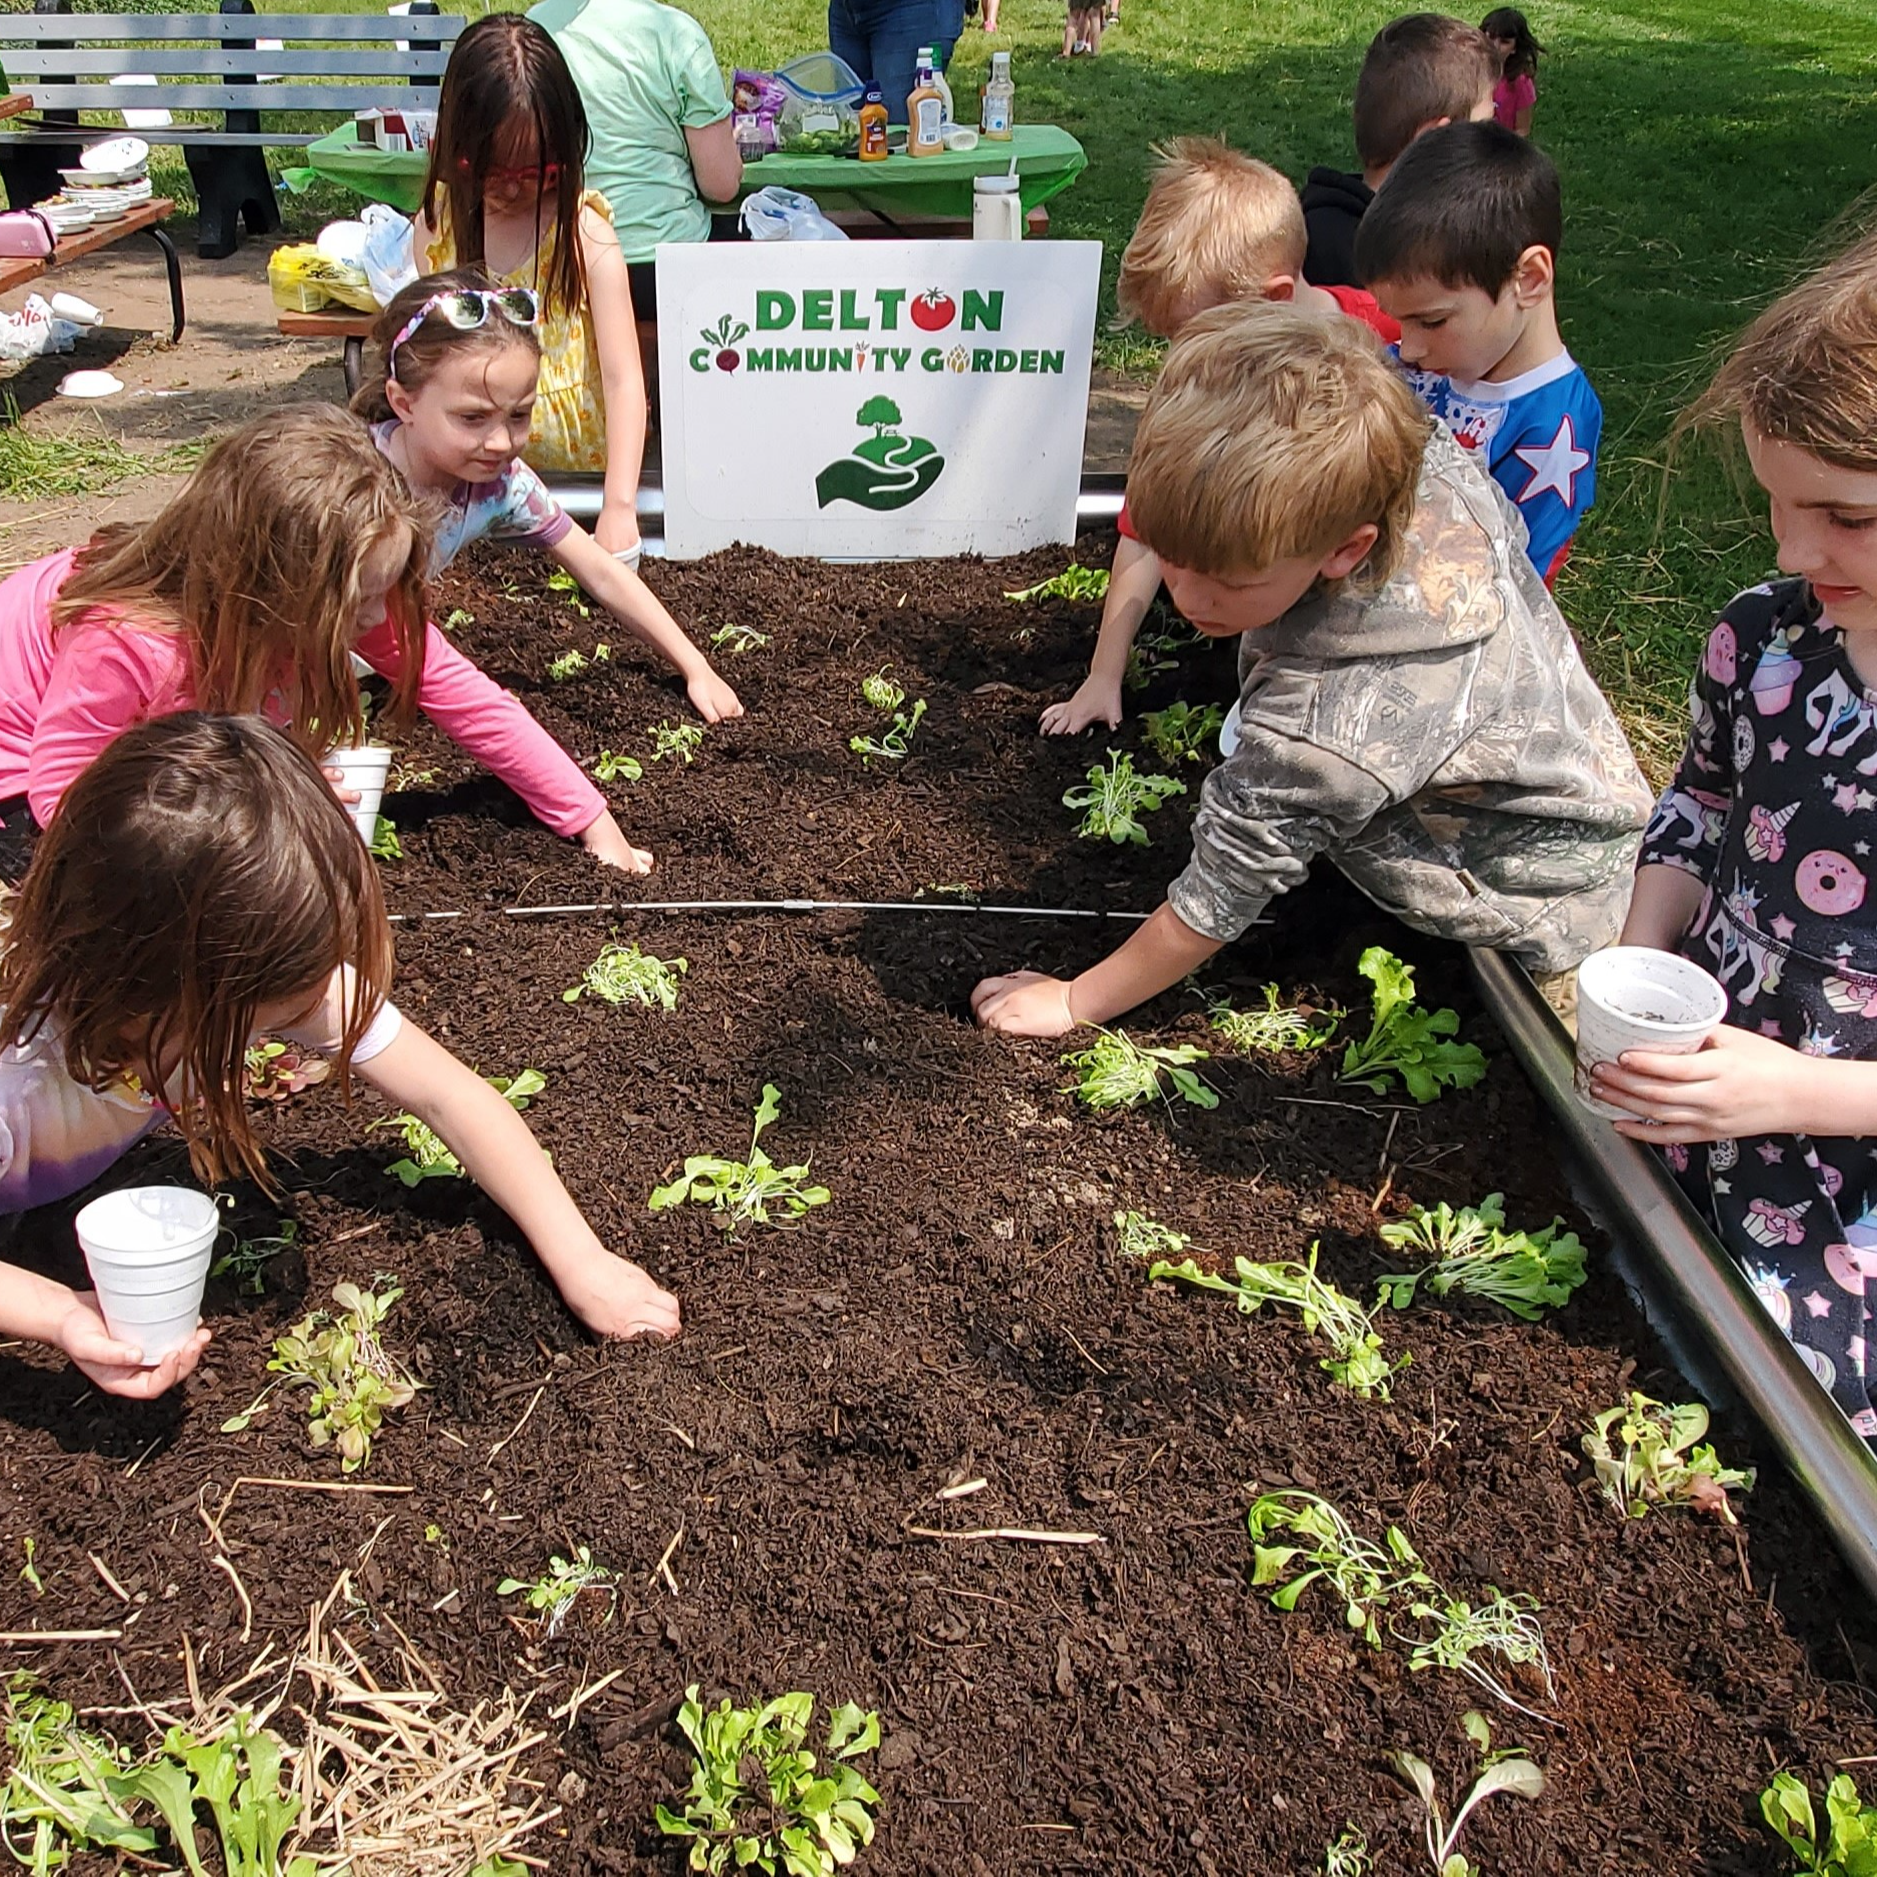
(89, 384)
(104, 178)
(119, 153)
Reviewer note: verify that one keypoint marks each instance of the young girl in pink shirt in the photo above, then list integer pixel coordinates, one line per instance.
(294, 545)
(1515, 97)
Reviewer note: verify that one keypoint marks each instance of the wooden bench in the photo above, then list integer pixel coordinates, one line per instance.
(340, 63)
(146, 218)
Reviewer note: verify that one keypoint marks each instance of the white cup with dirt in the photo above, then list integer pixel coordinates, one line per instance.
(364, 770)
(1634, 997)
(148, 1250)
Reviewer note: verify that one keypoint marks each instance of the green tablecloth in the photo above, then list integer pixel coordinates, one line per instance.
(1048, 161)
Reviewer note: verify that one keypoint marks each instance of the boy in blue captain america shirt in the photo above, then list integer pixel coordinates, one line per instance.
(1460, 246)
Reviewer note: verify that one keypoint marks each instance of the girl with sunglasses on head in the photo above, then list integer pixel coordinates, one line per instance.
(294, 546)
(505, 192)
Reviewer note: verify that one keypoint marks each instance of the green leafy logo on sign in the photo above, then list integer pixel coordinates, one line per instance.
(884, 471)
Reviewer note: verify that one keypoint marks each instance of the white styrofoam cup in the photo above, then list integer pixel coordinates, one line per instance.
(365, 770)
(148, 1250)
(1633, 997)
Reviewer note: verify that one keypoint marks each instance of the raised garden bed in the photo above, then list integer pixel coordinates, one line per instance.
(958, 1310)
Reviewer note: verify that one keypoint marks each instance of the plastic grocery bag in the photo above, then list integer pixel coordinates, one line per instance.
(774, 214)
(34, 331)
(389, 258)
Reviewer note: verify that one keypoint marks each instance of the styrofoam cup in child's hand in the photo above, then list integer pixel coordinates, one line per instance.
(148, 1250)
(1633, 997)
(365, 771)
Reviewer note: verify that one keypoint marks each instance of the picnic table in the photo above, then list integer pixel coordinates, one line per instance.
(146, 218)
(16, 102)
(902, 188)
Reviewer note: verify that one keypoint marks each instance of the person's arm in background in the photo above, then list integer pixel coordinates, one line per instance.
(702, 112)
(622, 380)
(715, 161)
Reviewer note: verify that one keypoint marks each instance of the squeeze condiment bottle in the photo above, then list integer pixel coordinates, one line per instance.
(925, 114)
(873, 127)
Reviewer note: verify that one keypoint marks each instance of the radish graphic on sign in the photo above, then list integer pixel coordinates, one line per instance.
(883, 471)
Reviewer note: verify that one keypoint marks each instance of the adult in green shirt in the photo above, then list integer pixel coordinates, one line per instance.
(662, 140)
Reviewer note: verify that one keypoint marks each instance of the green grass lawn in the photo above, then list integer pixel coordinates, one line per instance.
(1709, 152)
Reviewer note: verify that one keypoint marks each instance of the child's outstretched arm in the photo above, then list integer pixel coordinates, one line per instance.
(622, 379)
(38, 1310)
(610, 1295)
(1132, 584)
(619, 589)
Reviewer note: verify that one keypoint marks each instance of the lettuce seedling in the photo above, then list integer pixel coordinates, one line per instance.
(623, 973)
(1075, 582)
(384, 839)
(560, 1587)
(1526, 1272)
(1366, 1577)
(882, 693)
(426, 1157)
(247, 1259)
(739, 639)
(1275, 1028)
(1646, 1454)
(1502, 1626)
(1183, 733)
(275, 1070)
(1138, 1236)
(758, 1802)
(682, 740)
(458, 618)
(1116, 798)
(741, 1192)
(1118, 1072)
(235, 1773)
(569, 665)
(62, 1793)
(1348, 1856)
(613, 768)
(896, 743)
(1850, 1845)
(562, 582)
(1510, 1772)
(1148, 657)
(1405, 1040)
(1355, 1359)
(354, 1378)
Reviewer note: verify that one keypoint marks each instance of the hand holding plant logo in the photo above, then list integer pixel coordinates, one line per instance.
(884, 471)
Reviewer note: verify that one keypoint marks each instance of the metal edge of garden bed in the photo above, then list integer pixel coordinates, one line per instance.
(1694, 1295)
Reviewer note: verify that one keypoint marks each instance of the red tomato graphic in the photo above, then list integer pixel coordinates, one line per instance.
(932, 311)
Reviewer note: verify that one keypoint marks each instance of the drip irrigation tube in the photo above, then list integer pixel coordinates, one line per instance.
(779, 905)
(1700, 1290)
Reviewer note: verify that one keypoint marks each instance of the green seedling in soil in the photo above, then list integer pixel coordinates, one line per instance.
(1138, 1236)
(617, 768)
(1117, 1072)
(458, 619)
(1647, 1454)
(1149, 657)
(758, 1802)
(384, 839)
(895, 744)
(1356, 1359)
(1464, 1635)
(555, 1593)
(1116, 798)
(235, 1773)
(29, 1571)
(61, 1795)
(275, 1070)
(737, 639)
(1850, 1844)
(1510, 1772)
(1183, 733)
(682, 740)
(623, 973)
(1364, 1576)
(568, 666)
(354, 1378)
(1075, 582)
(247, 1259)
(404, 777)
(882, 693)
(1276, 1027)
(1406, 1041)
(1348, 1856)
(1526, 1272)
(426, 1157)
(562, 582)
(742, 1192)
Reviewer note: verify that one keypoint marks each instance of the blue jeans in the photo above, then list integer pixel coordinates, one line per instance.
(880, 39)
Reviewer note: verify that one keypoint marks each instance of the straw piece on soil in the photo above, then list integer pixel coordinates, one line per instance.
(1014, 1534)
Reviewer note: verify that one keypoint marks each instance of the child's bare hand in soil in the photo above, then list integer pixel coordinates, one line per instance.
(117, 1367)
(614, 1298)
(1097, 700)
(605, 841)
(1024, 1003)
(712, 698)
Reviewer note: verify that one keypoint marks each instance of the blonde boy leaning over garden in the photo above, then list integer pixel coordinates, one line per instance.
(1413, 703)
(1217, 227)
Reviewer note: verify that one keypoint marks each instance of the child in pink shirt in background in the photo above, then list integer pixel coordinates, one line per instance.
(1515, 96)
(292, 546)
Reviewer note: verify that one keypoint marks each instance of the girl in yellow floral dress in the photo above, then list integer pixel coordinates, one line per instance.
(504, 187)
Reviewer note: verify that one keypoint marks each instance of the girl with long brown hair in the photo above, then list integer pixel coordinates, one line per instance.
(200, 887)
(294, 545)
(505, 192)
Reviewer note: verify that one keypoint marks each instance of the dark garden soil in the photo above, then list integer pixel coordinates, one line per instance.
(958, 1311)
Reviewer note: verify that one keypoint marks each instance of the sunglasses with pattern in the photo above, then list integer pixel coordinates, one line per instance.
(467, 308)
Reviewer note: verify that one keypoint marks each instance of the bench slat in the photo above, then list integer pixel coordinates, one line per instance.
(222, 62)
(103, 97)
(89, 28)
(180, 135)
